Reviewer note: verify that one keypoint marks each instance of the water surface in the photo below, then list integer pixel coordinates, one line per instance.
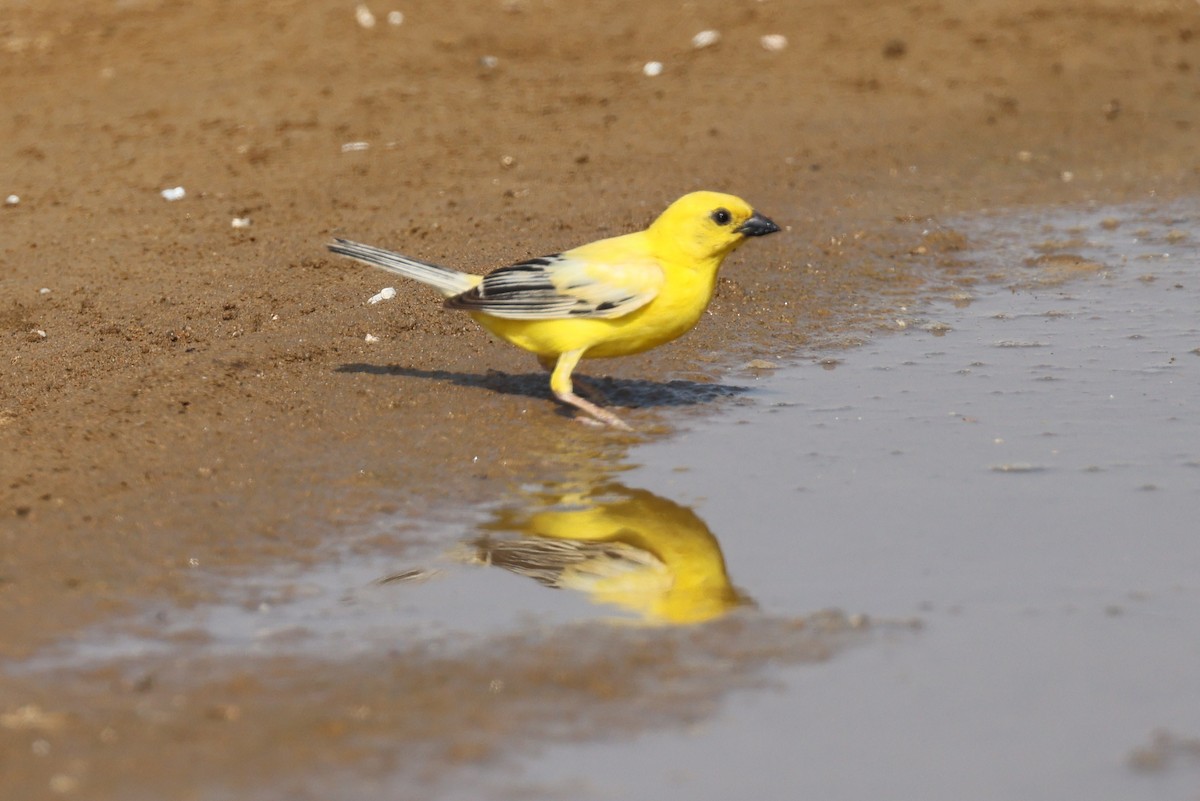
(1019, 467)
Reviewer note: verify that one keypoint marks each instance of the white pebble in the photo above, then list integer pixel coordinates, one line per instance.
(44, 290)
(12, 200)
(370, 339)
(39, 333)
(354, 147)
(387, 293)
(1067, 176)
(364, 17)
(652, 68)
(705, 39)
(240, 222)
(774, 42)
(395, 18)
(488, 62)
(174, 193)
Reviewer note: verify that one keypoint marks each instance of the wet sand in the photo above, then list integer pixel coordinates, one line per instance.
(203, 396)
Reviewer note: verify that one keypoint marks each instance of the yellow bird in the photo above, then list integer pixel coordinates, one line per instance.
(613, 297)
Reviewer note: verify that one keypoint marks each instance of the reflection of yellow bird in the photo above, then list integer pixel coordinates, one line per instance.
(620, 546)
(613, 297)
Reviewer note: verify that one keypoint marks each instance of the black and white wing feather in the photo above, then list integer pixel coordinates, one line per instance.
(562, 286)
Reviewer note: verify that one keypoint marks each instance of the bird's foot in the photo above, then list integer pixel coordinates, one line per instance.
(601, 416)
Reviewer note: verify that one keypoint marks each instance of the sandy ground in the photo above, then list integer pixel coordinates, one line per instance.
(174, 388)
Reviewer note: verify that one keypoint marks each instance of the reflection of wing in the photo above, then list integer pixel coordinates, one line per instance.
(562, 286)
(628, 548)
(569, 564)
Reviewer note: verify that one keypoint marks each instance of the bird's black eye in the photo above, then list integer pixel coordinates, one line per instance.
(722, 217)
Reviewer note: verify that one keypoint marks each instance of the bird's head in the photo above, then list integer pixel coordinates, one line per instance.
(707, 226)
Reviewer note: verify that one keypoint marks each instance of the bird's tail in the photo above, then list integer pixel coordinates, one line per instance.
(448, 282)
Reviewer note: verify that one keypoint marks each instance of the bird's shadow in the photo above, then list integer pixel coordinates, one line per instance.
(625, 392)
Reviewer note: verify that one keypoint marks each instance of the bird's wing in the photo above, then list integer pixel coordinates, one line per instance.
(564, 286)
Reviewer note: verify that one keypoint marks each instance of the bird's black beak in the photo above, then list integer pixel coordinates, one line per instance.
(757, 225)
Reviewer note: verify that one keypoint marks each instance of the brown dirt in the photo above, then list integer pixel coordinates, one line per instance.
(205, 393)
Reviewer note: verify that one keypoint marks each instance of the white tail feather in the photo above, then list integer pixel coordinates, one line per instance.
(443, 279)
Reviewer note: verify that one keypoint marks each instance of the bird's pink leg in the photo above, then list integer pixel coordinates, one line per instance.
(561, 386)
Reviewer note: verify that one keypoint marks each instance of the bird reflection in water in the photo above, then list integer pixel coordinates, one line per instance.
(622, 547)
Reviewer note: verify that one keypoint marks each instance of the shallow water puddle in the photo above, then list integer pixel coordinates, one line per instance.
(1018, 467)
(1027, 483)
